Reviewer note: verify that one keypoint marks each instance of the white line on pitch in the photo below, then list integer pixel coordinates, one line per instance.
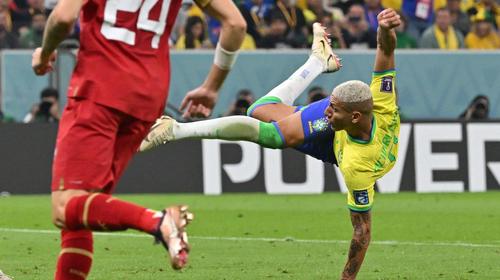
(268, 239)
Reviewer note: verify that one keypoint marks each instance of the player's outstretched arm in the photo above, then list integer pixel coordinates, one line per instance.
(388, 19)
(59, 25)
(361, 223)
(200, 101)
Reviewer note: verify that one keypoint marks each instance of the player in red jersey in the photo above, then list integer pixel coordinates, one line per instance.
(118, 88)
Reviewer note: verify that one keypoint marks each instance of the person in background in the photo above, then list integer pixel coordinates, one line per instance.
(48, 108)
(404, 41)
(459, 19)
(490, 8)
(478, 109)
(420, 15)
(314, 11)
(34, 36)
(359, 35)
(194, 35)
(254, 12)
(442, 35)
(277, 35)
(335, 30)
(315, 93)
(297, 31)
(372, 9)
(244, 98)
(8, 40)
(482, 35)
(22, 12)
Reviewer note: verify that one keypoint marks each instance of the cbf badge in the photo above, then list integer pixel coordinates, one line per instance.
(386, 85)
(361, 197)
(320, 125)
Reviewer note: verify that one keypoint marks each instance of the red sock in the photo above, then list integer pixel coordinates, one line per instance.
(104, 212)
(75, 258)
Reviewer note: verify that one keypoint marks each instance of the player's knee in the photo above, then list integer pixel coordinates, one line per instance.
(60, 201)
(58, 209)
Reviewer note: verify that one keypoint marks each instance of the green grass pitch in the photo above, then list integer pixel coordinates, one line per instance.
(257, 236)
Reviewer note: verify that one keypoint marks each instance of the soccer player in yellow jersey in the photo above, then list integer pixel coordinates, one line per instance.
(356, 128)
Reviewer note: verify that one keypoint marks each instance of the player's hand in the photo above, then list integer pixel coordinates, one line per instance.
(199, 103)
(41, 65)
(388, 19)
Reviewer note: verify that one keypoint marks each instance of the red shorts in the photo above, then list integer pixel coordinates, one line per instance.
(94, 145)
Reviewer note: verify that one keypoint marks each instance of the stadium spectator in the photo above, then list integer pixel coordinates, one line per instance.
(34, 35)
(277, 35)
(48, 108)
(420, 15)
(297, 32)
(22, 12)
(442, 35)
(335, 30)
(359, 35)
(490, 8)
(244, 98)
(8, 40)
(478, 109)
(482, 35)
(459, 19)
(315, 93)
(194, 35)
(214, 28)
(254, 12)
(344, 5)
(314, 11)
(404, 41)
(372, 9)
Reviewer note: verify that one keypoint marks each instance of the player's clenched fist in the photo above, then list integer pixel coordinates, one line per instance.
(41, 65)
(388, 19)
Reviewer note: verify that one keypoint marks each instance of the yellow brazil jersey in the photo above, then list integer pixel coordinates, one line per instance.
(363, 162)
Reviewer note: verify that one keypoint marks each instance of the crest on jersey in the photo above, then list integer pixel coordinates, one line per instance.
(386, 85)
(361, 197)
(319, 125)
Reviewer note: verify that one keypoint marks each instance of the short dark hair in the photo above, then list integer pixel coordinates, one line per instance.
(316, 89)
(244, 93)
(49, 92)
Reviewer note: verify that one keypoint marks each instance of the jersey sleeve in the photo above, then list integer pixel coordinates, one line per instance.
(384, 91)
(360, 186)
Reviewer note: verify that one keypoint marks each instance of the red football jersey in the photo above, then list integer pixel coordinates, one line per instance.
(123, 61)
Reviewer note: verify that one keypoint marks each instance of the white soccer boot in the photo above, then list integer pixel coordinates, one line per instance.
(321, 49)
(160, 133)
(172, 234)
(4, 276)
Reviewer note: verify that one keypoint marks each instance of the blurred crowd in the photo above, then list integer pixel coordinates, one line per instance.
(434, 24)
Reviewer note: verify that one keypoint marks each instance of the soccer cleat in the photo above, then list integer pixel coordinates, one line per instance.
(160, 133)
(321, 49)
(171, 233)
(4, 276)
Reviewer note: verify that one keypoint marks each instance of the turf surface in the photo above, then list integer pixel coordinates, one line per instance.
(256, 236)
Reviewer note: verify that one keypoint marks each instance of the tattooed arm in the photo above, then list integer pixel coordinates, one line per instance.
(361, 223)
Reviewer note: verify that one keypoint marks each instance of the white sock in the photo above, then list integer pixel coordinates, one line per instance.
(291, 88)
(227, 128)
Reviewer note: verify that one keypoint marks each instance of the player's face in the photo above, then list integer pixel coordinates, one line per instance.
(338, 117)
